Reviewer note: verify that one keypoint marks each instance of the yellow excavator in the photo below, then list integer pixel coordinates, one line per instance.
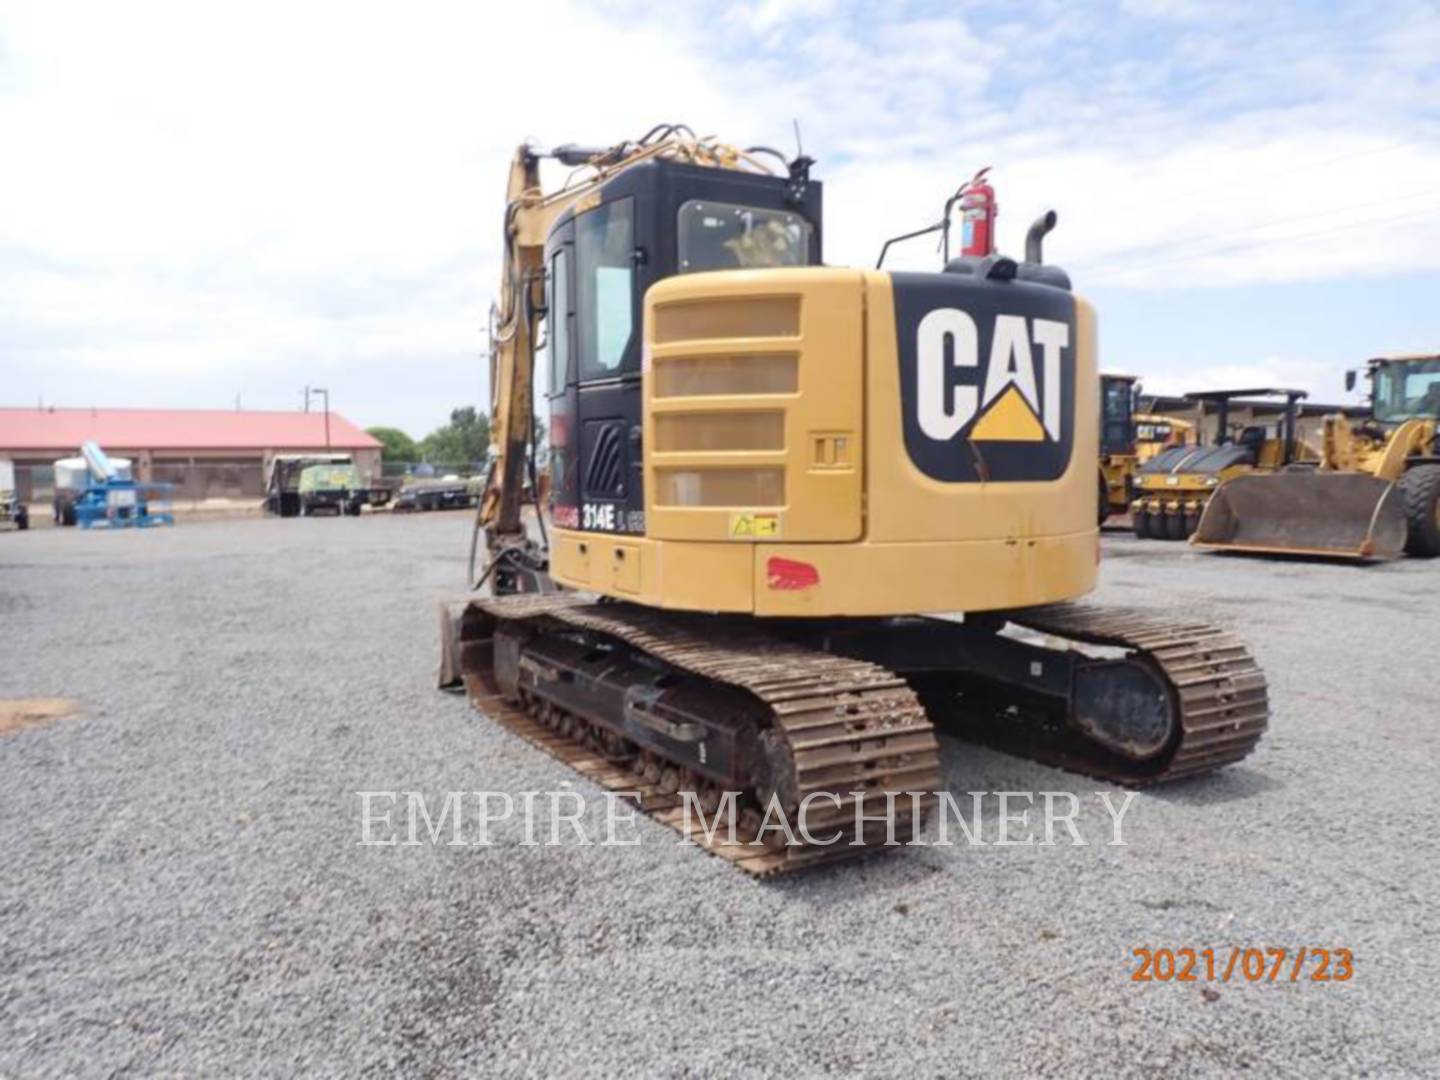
(1373, 495)
(769, 479)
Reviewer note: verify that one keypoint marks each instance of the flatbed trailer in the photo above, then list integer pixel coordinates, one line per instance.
(436, 495)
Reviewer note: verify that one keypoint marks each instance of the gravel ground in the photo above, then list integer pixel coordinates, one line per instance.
(182, 889)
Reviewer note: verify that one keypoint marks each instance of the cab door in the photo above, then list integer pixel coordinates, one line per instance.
(1117, 428)
(560, 381)
(609, 276)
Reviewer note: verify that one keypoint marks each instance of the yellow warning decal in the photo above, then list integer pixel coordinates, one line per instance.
(751, 526)
(1010, 419)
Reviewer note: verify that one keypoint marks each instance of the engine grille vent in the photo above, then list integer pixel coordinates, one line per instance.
(605, 464)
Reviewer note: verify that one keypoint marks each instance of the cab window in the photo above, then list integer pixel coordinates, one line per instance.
(605, 284)
(1407, 390)
(559, 320)
(727, 236)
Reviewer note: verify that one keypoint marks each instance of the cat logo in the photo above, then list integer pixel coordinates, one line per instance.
(987, 378)
(1010, 409)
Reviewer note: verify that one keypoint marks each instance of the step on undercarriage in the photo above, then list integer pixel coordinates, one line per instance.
(683, 709)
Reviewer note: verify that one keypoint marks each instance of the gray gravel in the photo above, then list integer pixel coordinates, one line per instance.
(181, 888)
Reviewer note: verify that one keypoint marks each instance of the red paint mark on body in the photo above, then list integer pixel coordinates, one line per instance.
(787, 574)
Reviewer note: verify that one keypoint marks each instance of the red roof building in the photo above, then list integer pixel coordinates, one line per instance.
(207, 451)
(23, 431)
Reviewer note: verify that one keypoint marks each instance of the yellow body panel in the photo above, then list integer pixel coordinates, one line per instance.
(842, 522)
(853, 579)
(814, 325)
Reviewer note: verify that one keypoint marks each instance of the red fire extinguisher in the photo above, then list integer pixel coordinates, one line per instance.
(978, 211)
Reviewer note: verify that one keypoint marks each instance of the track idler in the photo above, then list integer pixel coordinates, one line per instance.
(1125, 706)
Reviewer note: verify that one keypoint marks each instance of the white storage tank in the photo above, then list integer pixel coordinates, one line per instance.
(73, 474)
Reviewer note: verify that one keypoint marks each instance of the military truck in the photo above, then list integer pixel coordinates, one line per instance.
(331, 488)
(288, 494)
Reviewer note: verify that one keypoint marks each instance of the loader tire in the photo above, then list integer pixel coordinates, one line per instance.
(1420, 488)
(1138, 520)
(1155, 527)
(1175, 526)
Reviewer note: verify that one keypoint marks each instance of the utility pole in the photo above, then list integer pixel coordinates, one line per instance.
(306, 396)
(326, 394)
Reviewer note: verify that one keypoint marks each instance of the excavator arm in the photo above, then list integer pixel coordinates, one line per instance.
(512, 349)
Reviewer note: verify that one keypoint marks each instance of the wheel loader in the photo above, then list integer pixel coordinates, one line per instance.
(770, 479)
(1173, 488)
(1372, 495)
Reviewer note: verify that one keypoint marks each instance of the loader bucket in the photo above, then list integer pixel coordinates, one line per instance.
(1328, 514)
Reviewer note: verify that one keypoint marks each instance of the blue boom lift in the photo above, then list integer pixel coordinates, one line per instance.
(112, 501)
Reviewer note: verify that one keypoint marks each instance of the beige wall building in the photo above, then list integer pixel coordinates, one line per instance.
(1246, 413)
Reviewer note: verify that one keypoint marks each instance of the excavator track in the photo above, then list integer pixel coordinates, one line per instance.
(1215, 683)
(851, 730)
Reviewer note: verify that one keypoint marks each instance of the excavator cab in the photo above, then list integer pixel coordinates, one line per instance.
(659, 219)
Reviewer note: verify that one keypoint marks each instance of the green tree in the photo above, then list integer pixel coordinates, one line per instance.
(465, 440)
(395, 444)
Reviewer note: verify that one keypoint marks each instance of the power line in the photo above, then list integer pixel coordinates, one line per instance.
(1242, 180)
(1248, 246)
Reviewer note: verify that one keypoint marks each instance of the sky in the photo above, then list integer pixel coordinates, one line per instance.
(205, 203)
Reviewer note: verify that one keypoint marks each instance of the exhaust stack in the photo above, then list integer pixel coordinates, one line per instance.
(1035, 238)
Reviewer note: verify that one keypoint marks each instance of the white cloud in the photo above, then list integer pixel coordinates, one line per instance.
(1183, 10)
(772, 13)
(234, 197)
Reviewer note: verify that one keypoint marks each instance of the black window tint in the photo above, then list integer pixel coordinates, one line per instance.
(559, 318)
(605, 284)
